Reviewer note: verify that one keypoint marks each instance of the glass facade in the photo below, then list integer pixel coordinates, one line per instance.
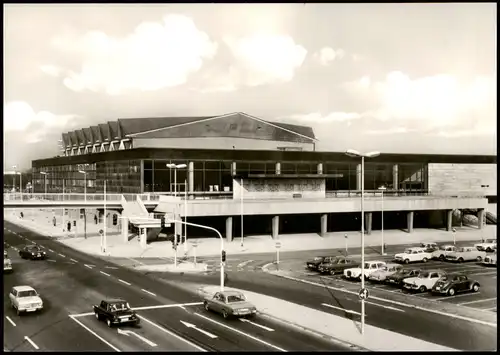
(345, 176)
(123, 176)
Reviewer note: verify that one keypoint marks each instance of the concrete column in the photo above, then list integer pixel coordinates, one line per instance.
(142, 176)
(358, 177)
(233, 168)
(449, 220)
(278, 168)
(229, 229)
(320, 168)
(368, 222)
(125, 229)
(324, 224)
(144, 238)
(409, 220)
(276, 227)
(395, 177)
(190, 176)
(480, 218)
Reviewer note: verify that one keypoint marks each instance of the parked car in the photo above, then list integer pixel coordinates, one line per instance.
(7, 265)
(32, 252)
(443, 251)
(430, 246)
(451, 284)
(466, 254)
(337, 265)
(387, 270)
(370, 267)
(412, 255)
(313, 264)
(229, 304)
(115, 312)
(398, 277)
(490, 260)
(488, 245)
(25, 299)
(424, 282)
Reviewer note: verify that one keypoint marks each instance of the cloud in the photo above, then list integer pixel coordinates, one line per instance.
(327, 55)
(394, 130)
(155, 56)
(264, 59)
(51, 70)
(331, 117)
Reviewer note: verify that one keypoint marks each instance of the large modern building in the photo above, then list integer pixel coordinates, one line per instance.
(274, 167)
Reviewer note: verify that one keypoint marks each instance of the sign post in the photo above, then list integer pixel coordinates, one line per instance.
(278, 246)
(346, 251)
(195, 244)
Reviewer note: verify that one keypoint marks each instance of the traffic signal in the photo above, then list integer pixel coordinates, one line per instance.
(162, 222)
(223, 256)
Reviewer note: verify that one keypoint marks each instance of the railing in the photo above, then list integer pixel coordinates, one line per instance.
(376, 193)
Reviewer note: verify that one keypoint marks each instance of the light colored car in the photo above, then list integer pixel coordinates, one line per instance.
(488, 245)
(490, 259)
(466, 254)
(443, 251)
(370, 267)
(429, 245)
(229, 304)
(423, 282)
(25, 299)
(7, 265)
(387, 270)
(412, 255)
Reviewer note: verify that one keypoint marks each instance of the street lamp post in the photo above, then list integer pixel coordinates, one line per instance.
(85, 183)
(241, 207)
(175, 167)
(382, 189)
(45, 181)
(185, 214)
(354, 153)
(481, 223)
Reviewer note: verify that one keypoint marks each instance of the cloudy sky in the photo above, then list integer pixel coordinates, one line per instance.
(393, 77)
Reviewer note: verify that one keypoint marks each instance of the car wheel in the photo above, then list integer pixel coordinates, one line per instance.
(461, 260)
(97, 316)
(207, 308)
(451, 291)
(224, 314)
(441, 257)
(479, 258)
(424, 260)
(488, 250)
(407, 261)
(108, 322)
(332, 272)
(422, 289)
(475, 287)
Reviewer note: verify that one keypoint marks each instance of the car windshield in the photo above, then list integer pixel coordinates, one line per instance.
(29, 293)
(423, 275)
(444, 278)
(367, 265)
(120, 306)
(32, 248)
(318, 258)
(460, 249)
(235, 298)
(491, 240)
(407, 251)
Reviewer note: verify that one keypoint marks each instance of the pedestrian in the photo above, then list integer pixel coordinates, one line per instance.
(22, 215)
(69, 226)
(54, 220)
(95, 219)
(226, 279)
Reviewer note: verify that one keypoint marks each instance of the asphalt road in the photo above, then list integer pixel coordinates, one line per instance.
(71, 282)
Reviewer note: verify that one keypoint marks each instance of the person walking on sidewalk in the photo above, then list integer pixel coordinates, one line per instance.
(95, 219)
(69, 226)
(54, 221)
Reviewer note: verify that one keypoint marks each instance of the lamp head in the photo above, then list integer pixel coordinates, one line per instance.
(171, 166)
(82, 172)
(43, 173)
(372, 154)
(382, 188)
(352, 153)
(181, 166)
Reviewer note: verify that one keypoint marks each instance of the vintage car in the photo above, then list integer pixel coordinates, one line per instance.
(424, 282)
(466, 254)
(7, 265)
(430, 246)
(398, 277)
(370, 267)
(453, 283)
(443, 251)
(25, 299)
(313, 264)
(115, 312)
(412, 255)
(488, 245)
(387, 270)
(32, 252)
(490, 260)
(337, 265)
(229, 304)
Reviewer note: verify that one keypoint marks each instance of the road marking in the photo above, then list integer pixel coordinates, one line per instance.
(388, 307)
(96, 335)
(41, 246)
(483, 273)
(10, 321)
(192, 326)
(341, 309)
(244, 263)
(462, 295)
(52, 260)
(456, 316)
(257, 325)
(265, 267)
(125, 282)
(61, 255)
(89, 266)
(128, 332)
(82, 314)
(151, 293)
(167, 306)
(490, 309)
(73, 260)
(111, 267)
(32, 343)
(470, 302)
(173, 334)
(240, 332)
(50, 250)
(102, 272)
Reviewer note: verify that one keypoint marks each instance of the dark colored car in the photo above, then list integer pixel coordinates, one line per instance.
(453, 283)
(398, 277)
(337, 265)
(116, 312)
(313, 264)
(32, 252)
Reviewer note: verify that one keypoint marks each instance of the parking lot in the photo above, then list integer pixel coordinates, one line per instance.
(484, 300)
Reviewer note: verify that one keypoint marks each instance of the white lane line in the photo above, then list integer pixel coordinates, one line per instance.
(167, 306)
(388, 307)
(32, 343)
(490, 309)
(470, 302)
(462, 295)
(102, 272)
(244, 263)
(456, 316)
(88, 266)
(10, 321)
(52, 260)
(341, 309)
(73, 260)
(50, 250)
(244, 320)
(240, 332)
(111, 267)
(41, 246)
(124, 282)
(173, 334)
(61, 255)
(151, 293)
(96, 335)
